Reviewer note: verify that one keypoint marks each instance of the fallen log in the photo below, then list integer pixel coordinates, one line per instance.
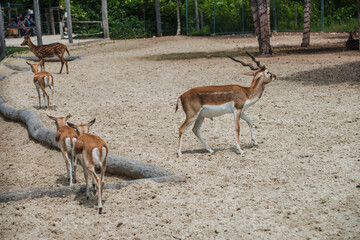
(115, 165)
(66, 191)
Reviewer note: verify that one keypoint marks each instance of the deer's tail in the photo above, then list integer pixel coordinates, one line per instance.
(177, 104)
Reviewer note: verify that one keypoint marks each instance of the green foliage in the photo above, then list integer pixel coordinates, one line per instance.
(136, 18)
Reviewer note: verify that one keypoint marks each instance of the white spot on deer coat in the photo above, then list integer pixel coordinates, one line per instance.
(96, 157)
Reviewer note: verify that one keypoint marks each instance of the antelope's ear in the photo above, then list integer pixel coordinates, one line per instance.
(67, 117)
(91, 122)
(29, 63)
(51, 117)
(249, 73)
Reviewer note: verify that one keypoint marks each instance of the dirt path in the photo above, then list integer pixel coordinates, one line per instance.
(299, 183)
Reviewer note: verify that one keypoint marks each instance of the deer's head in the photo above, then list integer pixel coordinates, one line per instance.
(26, 41)
(83, 128)
(60, 121)
(259, 72)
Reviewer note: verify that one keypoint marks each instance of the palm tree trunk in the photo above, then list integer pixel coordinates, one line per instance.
(306, 32)
(178, 32)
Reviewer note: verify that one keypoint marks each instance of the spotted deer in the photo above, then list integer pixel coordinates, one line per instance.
(66, 138)
(213, 101)
(48, 51)
(41, 81)
(92, 152)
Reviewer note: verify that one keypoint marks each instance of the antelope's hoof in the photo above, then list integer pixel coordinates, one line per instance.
(100, 210)
(87, 197)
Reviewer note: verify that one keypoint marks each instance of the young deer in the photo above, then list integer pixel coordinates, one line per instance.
(66, 137)
(41, 81)
(212, 101)
(48, 51)
(92, 151)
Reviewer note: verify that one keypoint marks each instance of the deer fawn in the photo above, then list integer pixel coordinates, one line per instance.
(41, 81)
(92, 151)
(48, 51)
(66, 138)
(212, 101)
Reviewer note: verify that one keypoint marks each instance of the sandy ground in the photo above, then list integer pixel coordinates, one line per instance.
(299, 183)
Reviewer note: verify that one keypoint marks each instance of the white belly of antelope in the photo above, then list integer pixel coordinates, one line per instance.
(210, 111)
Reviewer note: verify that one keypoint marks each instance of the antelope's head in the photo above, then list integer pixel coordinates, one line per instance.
(26, 41)
(83, 128)
(60, 121)
(259, 72)
(34, 67)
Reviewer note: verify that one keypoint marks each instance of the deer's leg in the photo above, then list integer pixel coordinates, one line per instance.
(248, 120)
(196, 130)
(74, 158)
(38, 91)
(237, 114)
(183, 127)
(47, 97)
(68, 166)
(42, 65)
(63, 60)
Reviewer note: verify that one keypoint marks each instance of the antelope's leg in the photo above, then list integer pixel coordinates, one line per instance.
(182, 129)
(237, 114)
(86, 175)
(196, 130)
(248, 120)
(38, 91)
(68, 166)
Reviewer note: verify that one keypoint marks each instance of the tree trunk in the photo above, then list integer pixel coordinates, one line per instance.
(52, 21)
(306, 32)
(2, 36)
(358, 3)
(268, 13)
(197, 26)
(178, 32)
(265, 47)
(69, 22)
(105, 19)
(255, 13)
(37, 22)
(158, 19)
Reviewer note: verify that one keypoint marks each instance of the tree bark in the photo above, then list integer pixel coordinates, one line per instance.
(158, 19)
(37, 22)
(2, 36)
(358, 4)
(255, 13)
(264, 38)
(178, 32)
(306, 32)
(197, 25)
(105, 20)
(69, 22)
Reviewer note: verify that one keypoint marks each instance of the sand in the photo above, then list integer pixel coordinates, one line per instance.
(298, 183)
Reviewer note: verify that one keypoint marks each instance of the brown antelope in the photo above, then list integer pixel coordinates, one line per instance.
(48, 51)
(92, 152)
(41, 81)
(66, 138)
(213, 101)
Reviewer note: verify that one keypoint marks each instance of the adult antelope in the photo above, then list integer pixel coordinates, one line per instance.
(92, 151)
(213, 101)
(66, 137)
(48, 51)
(41, 81)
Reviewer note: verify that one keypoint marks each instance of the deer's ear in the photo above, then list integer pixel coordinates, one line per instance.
(67, 117)
(51, 117)
(91, 122)
(249, 74)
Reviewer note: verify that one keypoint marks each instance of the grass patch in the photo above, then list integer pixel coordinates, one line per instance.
(12, 50)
